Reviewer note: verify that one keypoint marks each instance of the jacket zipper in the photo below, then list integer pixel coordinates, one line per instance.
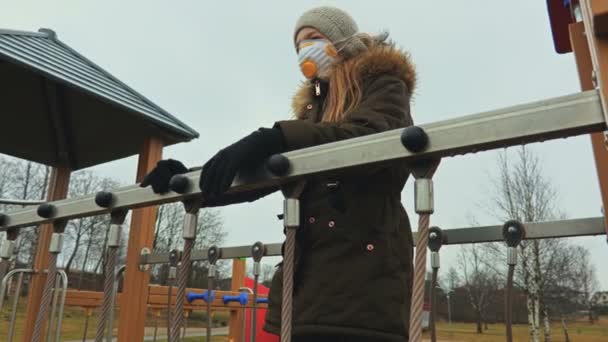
(317, 88)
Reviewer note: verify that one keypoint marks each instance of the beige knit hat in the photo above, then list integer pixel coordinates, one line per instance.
(335, 24)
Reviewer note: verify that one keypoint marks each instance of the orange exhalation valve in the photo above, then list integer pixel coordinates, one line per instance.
(309, 69)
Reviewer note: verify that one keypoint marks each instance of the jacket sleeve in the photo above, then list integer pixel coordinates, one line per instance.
(385, 106)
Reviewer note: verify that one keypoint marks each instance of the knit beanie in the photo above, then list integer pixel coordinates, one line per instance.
(335, 24)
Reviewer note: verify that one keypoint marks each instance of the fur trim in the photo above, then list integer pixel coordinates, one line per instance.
(381, 59)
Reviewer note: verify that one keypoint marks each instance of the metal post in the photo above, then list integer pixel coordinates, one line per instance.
(88, 312)
(173, 261)
(244, 328)
(436, 239)
(513, 232)
(291, 221)
(213, 254)
(117, 218)
(449, 308)
(189, 236)
(257, 251)
(156, 318)
(424, 206)
(55, 247)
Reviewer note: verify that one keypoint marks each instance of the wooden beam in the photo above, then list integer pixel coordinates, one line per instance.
(235, 326)
(58, 189)
(585, 74)
(141, 235)
(600, 18)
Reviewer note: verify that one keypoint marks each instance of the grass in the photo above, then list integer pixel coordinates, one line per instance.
(74, 322)
(577, 331)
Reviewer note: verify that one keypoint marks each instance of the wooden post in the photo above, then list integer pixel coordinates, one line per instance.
(134, 297)
(235, 333)
(585, 68)
(58, 189)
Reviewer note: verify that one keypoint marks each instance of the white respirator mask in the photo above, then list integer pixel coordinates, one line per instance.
(316, 56)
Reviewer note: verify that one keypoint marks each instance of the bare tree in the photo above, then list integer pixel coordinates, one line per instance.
(586, 281)
(26, 181)
(451, 280)
(479, 281)
(522, 192)
(210, 231)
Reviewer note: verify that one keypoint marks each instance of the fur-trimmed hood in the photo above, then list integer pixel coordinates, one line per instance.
(383, 58)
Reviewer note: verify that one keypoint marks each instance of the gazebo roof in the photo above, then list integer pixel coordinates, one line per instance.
(59, 108)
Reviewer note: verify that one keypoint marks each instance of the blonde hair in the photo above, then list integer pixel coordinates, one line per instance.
(345, 91)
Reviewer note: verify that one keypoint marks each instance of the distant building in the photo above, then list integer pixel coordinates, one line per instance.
(600, 298)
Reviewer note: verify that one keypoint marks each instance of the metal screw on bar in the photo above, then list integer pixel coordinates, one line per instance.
(173, 261)
(180, 184)
(257, 252)
(278, 165)
(105, 199)
(513, 232)
(414, 139)
(46, 210)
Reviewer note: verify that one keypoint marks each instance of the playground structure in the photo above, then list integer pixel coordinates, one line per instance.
(423, 147)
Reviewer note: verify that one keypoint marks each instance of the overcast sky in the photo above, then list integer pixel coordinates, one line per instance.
(228, 67)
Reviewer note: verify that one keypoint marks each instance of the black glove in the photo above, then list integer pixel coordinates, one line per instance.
(219, 172)
(160, 176)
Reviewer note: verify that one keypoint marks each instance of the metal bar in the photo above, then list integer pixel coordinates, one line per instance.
(19, 202)
(7, 277)
(554, 118)
(457, 236)
(535, 230)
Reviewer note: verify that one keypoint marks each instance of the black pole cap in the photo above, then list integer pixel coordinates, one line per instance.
(180, 184)
(278, 165)
(213, 253)
(46, 210)
(414, 139)
(436, 238)
(513, 232)
(104, 199)
(257, 251)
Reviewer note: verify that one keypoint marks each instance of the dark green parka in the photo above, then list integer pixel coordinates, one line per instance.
(353, 271)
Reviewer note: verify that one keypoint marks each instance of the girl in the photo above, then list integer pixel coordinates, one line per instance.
(353, 270)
